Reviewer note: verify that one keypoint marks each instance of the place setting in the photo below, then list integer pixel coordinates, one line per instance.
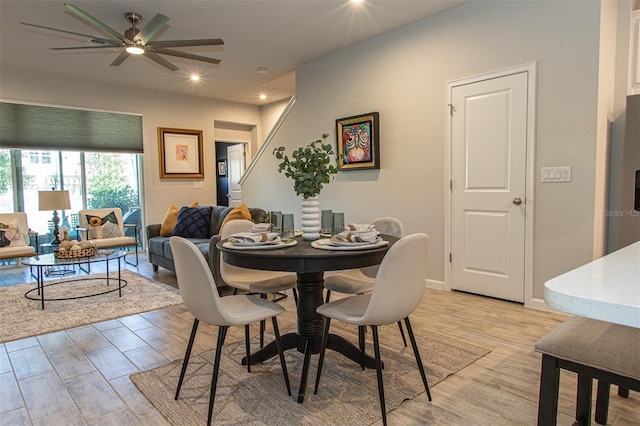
(352, 237)
(265, 236)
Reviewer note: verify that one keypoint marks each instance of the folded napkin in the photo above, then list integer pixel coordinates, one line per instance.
(360, 227)
(255, 237)
(261, 227)
(358, 237)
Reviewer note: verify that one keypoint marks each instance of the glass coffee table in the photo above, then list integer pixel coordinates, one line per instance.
(43, 262)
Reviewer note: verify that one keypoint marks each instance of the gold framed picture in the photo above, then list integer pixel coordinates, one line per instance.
(180, 153)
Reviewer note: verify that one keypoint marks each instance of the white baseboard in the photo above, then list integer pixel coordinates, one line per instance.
(437, 285)
(540, 304)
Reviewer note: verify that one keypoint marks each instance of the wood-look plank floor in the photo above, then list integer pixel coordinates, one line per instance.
(81, 376)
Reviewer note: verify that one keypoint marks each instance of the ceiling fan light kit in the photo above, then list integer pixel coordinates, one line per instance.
(136, 41)
(134, 50)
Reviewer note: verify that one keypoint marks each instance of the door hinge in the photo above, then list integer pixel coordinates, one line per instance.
(450, 258)
(452, 109)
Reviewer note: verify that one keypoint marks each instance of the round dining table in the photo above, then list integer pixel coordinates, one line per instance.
(309, 264)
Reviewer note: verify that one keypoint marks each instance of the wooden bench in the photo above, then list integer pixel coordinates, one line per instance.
(609, 353)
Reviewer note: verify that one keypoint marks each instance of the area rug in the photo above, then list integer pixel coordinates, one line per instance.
(21, 317)
(347, 395)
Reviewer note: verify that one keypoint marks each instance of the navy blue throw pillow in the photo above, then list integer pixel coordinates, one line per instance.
(193, 222)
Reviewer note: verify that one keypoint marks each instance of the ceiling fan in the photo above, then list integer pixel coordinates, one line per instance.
(136, 41)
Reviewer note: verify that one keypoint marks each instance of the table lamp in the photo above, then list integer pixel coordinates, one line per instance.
(54, 200)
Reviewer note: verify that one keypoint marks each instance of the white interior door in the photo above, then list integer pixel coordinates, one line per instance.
(488, 170)
(235, 169)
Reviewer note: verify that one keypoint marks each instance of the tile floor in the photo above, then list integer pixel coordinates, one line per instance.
(80, 376)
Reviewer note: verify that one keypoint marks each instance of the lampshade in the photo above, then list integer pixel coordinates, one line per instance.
(53, 200)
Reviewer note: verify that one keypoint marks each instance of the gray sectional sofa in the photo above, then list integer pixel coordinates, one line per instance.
(159, 249)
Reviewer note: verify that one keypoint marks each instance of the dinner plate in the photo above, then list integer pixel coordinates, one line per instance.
(339, 242)
(327, 244)
(260, 246)
(255, 243)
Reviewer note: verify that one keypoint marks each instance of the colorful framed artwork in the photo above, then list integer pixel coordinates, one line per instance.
(222, 168)
(358, 142)
(180, 152)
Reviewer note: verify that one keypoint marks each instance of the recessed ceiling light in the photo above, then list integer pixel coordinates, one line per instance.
(357, 1)
(262, 70)
(195, 77)
(263, 96)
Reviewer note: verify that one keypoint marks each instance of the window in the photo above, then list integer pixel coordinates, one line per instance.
(93, 179)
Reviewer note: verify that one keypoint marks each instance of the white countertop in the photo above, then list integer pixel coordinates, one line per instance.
(607, 289)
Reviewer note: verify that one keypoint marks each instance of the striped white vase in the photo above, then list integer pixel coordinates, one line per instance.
(310, 218)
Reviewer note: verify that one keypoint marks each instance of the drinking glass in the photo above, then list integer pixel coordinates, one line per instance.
(275, 218)
(326, 223)
(287, 233)
(338, 223)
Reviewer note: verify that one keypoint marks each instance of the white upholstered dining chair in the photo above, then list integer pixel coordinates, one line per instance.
(397, 291)
(253, 280)
(359, 281)
(200, 296)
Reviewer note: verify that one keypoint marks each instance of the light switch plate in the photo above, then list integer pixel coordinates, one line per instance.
(197, 185)
(555, 174)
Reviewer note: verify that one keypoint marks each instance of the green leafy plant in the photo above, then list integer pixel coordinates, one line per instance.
(310, 167)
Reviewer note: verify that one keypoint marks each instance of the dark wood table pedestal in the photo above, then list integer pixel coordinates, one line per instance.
(308, 339)
(309, 264)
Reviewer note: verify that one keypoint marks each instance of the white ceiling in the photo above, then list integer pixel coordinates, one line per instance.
(278, 35)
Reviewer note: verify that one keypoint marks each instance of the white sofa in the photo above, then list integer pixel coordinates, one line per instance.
(22, 249)
(93, 227)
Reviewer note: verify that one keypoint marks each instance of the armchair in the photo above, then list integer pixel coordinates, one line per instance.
(19, 246)
(106, 229)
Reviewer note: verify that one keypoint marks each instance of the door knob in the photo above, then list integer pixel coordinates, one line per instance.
(517, 201)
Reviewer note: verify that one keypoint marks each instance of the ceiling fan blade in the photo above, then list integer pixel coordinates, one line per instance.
(187, 55)
(162, 61)
(90, 19)
(86, 47)
(151, 29)
(187, 43)
(120, 59)
(92, 37)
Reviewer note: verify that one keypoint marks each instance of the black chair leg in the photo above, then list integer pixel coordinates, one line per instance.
(583, 400)
(361, 342)
(276, 331)
(295, 296)
(222, 333)
(323, 347)
(404, 339)
(235, 291)
(247, 347)
(414, 346)
(376, 349)
(549, 387)
(187, 354)
(602, 402)
(326, 300)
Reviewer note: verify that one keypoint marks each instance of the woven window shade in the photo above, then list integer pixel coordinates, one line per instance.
(45, 128)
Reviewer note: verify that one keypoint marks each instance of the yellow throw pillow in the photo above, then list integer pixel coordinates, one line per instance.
(240, 212)
(171, 218)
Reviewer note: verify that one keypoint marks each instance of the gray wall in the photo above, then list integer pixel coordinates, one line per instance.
(158, 110)
(403, 74)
